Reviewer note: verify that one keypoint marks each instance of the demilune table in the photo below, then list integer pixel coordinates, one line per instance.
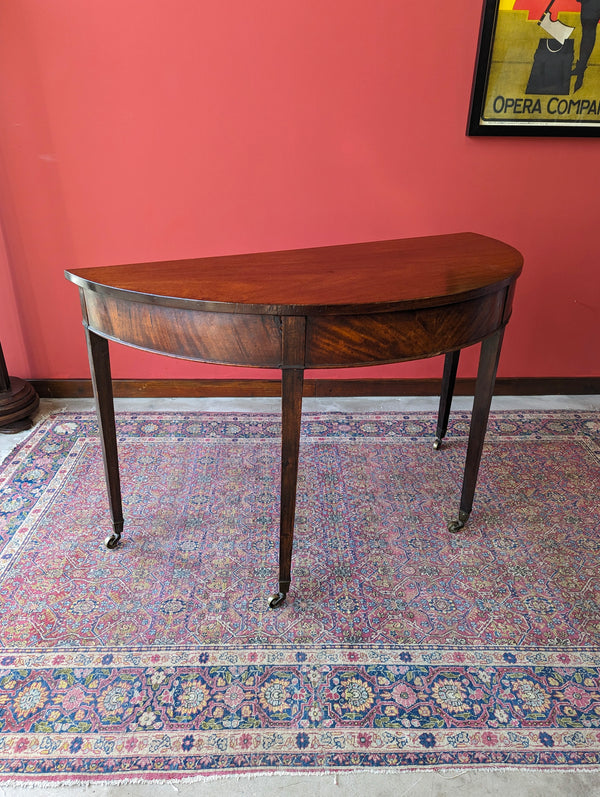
(326, 307)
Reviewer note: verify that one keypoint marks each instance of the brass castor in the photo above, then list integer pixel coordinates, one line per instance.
(456, 525)
(112, 541)
(276, 600)
(437, 443)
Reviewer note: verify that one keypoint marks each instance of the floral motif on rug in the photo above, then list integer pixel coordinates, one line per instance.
(399, 645)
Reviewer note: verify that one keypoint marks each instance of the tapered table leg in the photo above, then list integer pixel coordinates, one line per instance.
(448, 382)
(102, 383)
(484, 390)
(291, 405)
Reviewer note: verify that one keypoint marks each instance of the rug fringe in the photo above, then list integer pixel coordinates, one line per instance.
(336, 774)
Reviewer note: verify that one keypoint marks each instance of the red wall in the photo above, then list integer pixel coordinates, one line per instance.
(138, 130)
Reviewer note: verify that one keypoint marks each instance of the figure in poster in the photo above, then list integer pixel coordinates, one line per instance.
(590, 17)
(553, 61)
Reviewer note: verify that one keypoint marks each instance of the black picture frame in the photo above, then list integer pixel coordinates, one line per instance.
(519, 89)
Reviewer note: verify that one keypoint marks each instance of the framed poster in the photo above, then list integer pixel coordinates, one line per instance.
(538, 69)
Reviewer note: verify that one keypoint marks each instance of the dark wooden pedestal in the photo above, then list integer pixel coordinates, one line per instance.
(18, 402)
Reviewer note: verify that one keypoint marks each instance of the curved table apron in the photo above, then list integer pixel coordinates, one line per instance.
(327, 307)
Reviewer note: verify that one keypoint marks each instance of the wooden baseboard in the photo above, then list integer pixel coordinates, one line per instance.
(212, 388)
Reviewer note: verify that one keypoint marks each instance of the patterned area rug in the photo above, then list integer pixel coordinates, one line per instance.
(400, 645)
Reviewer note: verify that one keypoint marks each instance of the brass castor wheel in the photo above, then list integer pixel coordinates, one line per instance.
(437, 443)
(456, 525)
(276, 600)
(112, 541)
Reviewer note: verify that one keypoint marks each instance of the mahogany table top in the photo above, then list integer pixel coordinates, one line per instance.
(379, 275)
